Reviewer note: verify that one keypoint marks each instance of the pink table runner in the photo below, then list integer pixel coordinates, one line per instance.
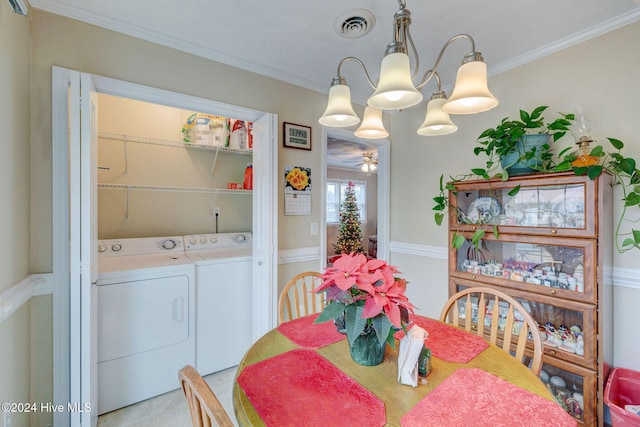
(448, 342)
(473, 397)
(304, 333)
(308, 391)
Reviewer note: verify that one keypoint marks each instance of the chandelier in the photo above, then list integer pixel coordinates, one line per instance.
(369, 164)
(395, 89)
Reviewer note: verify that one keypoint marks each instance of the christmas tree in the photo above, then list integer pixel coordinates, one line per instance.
(350, 234)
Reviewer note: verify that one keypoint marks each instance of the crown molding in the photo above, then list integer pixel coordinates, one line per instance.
(173, 42)
(58, 8)
(572, 40)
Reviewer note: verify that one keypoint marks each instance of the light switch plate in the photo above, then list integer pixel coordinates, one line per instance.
(314, 228)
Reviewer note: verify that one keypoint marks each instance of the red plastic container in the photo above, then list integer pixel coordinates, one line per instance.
(623, 388)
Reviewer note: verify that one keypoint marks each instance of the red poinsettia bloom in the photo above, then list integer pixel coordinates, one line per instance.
(347, 272)
(370, 284)
(386, 294)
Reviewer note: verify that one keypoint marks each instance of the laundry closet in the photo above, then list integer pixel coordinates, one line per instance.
(174, 246)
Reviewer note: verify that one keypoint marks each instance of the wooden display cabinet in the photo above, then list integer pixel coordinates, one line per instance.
(547, 245)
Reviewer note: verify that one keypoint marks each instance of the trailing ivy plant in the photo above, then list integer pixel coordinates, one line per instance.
(626, 174)
(623, 169)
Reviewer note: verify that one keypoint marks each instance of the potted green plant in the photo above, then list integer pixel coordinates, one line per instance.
(522, 146)
(371, 299)
(586, 161)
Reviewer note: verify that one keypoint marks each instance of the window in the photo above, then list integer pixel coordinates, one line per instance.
(336, 191)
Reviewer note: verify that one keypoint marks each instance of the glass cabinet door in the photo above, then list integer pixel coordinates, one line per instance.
(558, 207)
(557, 267)
(566, 331)
(573, 388)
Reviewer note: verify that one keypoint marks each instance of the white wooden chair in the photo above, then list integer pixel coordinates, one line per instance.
(489, 302)
(205, 408)
(298, 298)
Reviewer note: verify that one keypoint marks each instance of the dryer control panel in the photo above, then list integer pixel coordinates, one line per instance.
(198, 242)
(140, 246)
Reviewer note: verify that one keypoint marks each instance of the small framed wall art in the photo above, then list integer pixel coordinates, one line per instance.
(297, 136)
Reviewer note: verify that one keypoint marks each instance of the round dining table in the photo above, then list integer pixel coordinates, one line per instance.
(381, 380)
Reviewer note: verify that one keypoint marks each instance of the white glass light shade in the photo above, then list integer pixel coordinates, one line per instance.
(471, 93)
(437, 121)
(339, 112)
(395, 89)
(368, 167)
(371, 127)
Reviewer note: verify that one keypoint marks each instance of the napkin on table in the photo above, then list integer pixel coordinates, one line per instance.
(408, 355)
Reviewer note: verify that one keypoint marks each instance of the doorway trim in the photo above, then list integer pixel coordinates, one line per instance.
(384, 183)
(61, 80)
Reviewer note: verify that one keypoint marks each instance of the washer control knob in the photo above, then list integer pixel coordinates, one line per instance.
(169, 244)
(192, 240)
(213, 239)
(116, 247)
(203, 240)
(102, 248)
(240, 238)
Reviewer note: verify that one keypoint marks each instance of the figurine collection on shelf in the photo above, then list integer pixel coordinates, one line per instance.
(571, 400)
(569, 339)
(522, 271)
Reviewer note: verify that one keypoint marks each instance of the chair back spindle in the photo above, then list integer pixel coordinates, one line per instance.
(205, 408)
(497, 311)
(298, 298)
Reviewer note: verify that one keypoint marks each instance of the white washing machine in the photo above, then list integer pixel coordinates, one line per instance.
(223, 298)
(146, 318)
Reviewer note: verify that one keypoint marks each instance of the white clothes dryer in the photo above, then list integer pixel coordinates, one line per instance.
(223, 298)
(146, 318)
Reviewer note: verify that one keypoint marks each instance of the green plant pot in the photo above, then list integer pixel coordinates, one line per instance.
(366, 349)
(513, 163)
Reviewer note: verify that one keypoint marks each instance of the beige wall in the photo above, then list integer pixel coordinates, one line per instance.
(15, 45)
(371, 225)
(70, 44)
(599, 76)
(91, 49)
(163, 213)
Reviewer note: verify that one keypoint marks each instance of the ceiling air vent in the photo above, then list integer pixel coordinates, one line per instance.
(354, 23)
(18, 7)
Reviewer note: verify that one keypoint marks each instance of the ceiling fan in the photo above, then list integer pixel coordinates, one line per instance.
(368, 164)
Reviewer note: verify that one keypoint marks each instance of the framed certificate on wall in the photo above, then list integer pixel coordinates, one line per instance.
(297, 136)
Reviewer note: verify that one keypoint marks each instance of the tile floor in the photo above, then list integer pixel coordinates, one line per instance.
(170, 409)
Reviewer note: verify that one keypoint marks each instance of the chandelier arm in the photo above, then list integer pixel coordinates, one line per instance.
(440, 55)
(366, 73)
(428, 75)
(410, 43)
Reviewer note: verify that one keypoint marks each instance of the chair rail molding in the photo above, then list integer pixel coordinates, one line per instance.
(20, 293)
(437, 252)
(626, 277)
(289, 256)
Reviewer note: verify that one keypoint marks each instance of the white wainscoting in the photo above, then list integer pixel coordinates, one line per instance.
(20, 293)
(288, 256)
(42, 284)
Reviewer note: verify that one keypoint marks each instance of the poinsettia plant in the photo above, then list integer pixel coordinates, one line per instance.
(368, 294)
